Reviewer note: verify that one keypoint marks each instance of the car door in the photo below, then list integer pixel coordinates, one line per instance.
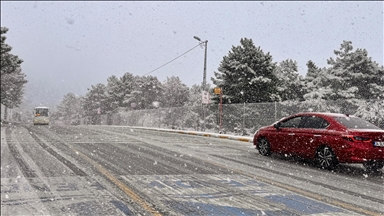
(310, 135)
(283, 140)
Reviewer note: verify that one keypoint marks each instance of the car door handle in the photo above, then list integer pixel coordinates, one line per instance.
(291, 134)
(317, 135)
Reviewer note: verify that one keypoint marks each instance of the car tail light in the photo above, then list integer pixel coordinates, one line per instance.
(352, 138)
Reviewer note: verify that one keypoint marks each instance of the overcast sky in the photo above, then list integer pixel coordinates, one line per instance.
(69, 46)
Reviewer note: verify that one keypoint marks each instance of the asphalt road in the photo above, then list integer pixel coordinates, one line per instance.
(105, 170)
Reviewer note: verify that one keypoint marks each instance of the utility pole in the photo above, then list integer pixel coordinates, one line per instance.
(204, 89)
(205, 62)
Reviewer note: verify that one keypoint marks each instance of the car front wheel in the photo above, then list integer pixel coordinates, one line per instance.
(264, 147)
(325, 158)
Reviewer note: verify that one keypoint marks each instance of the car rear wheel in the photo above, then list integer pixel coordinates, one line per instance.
(264, 147)
(325, 158)
(373, 166)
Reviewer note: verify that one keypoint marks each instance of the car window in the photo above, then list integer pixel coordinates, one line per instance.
(314, 122)
(41, 112)
(291, 123)
(356, 123)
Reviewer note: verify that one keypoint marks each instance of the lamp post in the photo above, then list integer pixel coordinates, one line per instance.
(205, 61)
(204, 74)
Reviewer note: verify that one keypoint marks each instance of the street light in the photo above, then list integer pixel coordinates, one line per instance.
(204, 74)
(197, 38)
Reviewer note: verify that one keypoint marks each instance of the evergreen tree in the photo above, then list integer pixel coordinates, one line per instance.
(194, 95)
(355, 75)
(372, 111)
(175, 92)
(146, 91)
(290, 84)
(12, 79)
(317, 88)
(196, 112)
(126, 87)
(114, 93)
(95, 102)
(246, 75)
(351, 79)
(70, 107)
(312, 71)
(352, 75)
(316, 82)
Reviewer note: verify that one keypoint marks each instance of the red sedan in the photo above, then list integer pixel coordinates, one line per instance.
(327, 138)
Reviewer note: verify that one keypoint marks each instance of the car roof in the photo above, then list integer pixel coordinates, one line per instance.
(325, 114)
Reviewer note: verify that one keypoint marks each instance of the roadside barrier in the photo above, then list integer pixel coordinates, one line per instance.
(197, 133)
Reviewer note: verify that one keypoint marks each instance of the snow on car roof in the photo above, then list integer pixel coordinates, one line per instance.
(325, 113)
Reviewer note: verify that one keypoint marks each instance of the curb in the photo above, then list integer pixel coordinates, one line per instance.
(196, 133)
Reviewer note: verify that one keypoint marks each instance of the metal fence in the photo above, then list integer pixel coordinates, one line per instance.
(240, 119)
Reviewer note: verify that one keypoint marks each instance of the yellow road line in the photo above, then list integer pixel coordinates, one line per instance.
(243, 139)
(136, 198)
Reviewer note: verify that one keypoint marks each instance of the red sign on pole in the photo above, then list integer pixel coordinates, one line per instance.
(221, 108)
(219, 91)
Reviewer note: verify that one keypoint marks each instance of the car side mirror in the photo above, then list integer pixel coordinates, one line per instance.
(277, 125)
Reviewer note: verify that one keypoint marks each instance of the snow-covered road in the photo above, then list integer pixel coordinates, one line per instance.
(106, 170)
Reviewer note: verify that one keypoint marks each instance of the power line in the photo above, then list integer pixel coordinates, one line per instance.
(172, 59)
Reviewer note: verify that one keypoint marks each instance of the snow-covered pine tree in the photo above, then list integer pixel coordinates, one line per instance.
(246, 75)
(290, 84)
(12, 78)
(175, 92)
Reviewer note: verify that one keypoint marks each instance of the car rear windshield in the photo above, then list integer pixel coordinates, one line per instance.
(356, 123)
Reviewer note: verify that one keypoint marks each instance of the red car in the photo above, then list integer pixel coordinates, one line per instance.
(327, 138)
